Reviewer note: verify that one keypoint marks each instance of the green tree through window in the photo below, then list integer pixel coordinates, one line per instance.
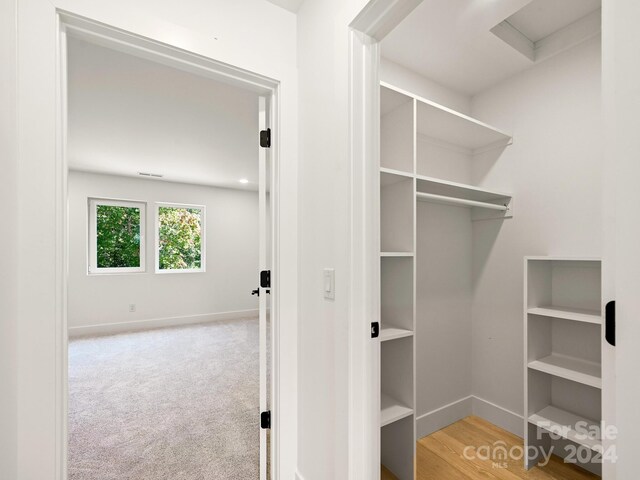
(118, 236)
(180, 238)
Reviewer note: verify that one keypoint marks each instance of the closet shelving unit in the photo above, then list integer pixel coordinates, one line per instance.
(563, 335)
(407, 120)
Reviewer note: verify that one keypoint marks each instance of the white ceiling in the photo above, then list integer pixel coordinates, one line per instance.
(450, 41)
(129, 115)
(541, 18)
(291, 5)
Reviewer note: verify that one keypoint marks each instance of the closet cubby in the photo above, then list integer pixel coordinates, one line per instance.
(563, 338)
(397, 447)
(397, 204)
(397, 118)
(396, 294)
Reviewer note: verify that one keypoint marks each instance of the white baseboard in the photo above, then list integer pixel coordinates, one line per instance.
(441, 417)
(136, 325)
(503, 418)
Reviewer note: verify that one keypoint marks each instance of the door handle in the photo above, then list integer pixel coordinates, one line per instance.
(255, 292)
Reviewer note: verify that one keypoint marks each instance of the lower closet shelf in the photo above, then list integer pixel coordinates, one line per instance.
(391, 333)
(574, 369)
(391, 410)
(568, 425)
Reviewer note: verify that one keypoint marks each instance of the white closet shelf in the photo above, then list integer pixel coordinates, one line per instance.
(575, 314)
(569, 425)
(446, 188)
(396, 254)
(392, 171)
(393, 333)
(391, 410)
(462, 202)
(444, 124)
(570, 368)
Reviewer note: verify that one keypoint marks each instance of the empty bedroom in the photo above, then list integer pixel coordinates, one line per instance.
(167, 233)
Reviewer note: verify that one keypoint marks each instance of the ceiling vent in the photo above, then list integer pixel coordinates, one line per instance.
(151, 175)
(544, 28)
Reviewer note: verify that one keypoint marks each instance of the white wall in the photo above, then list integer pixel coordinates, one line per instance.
(415, 83)
(323, 61)
(253, 35)
(231, 233)
(8, 240)
(554, 169)
(443, 307)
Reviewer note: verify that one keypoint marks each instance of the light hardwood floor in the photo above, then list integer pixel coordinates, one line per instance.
(440, 457)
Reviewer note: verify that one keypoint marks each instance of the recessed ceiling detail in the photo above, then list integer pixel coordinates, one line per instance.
(546, 27)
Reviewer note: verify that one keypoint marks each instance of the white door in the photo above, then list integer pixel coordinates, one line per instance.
(264, 287)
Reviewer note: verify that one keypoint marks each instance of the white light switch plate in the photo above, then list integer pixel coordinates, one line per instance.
(329, 283)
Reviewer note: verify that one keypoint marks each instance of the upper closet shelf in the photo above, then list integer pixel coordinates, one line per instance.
(440, 123)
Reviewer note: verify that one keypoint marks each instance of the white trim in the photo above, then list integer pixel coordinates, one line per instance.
(203, 238)
(375, 20)
(151, 323)
(299, 476)
(500, 416)
(441, 417)
(92, 236)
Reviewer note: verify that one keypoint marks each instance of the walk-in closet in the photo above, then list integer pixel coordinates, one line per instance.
(490, 208)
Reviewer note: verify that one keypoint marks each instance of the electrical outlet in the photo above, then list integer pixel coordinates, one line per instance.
(132, 307)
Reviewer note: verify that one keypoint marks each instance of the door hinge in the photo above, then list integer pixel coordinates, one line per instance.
(610, 323)
(265, 138)
(265, 420)
(265, 278)
(375, 330)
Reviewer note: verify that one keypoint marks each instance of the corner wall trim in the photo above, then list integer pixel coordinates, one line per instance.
(137, 325)
(439, 418)
(500, 416)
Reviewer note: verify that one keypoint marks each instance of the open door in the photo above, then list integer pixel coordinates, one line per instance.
(264, 287)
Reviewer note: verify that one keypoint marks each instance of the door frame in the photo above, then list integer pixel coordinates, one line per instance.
(133, 44)
(366, 32)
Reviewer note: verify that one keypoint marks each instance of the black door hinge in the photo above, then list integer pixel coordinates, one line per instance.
(610, 323)
(265, 278)
(265, 138)
(265, 420)
(375, 329)
(255, 292)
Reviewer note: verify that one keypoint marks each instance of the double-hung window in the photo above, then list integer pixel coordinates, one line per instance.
(116, 236)
(180, 238)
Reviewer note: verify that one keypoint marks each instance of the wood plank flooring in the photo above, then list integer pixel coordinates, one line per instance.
(440, 457)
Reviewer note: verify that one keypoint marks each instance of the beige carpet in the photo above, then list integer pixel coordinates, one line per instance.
(169, 404)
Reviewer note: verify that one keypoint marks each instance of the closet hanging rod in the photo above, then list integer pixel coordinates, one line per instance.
(431, 197)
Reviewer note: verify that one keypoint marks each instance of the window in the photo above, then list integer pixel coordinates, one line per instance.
(180, 238)
(116, 236)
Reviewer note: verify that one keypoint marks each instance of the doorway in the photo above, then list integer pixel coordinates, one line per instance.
(170, 234)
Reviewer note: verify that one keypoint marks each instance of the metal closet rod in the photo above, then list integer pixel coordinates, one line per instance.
(431, 197)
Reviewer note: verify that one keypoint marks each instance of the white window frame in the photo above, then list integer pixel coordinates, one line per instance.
(203, 238)
(93, 268)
